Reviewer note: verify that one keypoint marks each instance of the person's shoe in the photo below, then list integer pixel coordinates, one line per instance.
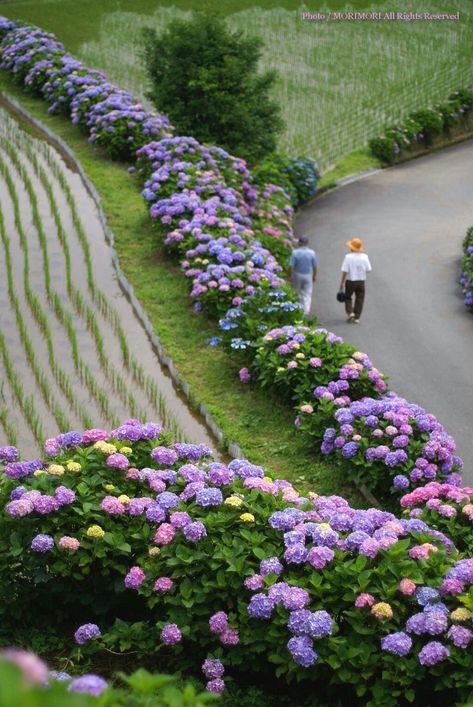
(357, 321)
(351, 317)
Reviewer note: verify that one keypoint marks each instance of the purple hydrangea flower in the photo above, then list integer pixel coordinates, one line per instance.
(426, 595)
(277, 592)
(135, 578)
(8, 454)
(217, 686)
(218, 622)
(460, 636)
(270, 565)
(397, 643)
(88, 684)
(254, 582)
(42, 543)
(170, 634)
(20, 508)
(168, 500)
(213, 668)
(208, 497)
(86, 633)
(163, 455)
(302, 650)
(260, 606)
(17, 493)
(179, 519)
(432, 653)
(163, 585)
(295, 598)
(295, 554)
(195, 531)
(64, 496)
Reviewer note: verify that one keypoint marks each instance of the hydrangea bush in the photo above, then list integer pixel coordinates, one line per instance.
(466, 276)
(297, 176)
(131, 542)
(421, 127)
(391, 438)
(445, 507)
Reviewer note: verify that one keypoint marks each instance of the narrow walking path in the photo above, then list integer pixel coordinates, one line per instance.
(412, 219)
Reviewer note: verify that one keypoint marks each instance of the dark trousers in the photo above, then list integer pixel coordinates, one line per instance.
(357, 288)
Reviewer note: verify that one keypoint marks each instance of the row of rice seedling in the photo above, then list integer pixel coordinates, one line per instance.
(25, 403)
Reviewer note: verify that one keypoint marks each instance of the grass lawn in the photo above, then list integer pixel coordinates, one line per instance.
(340, 82)
(259, 423)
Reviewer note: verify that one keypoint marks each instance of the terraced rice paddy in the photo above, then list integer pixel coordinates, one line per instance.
(72, 352)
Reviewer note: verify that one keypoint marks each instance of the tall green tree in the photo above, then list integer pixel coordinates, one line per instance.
(206, 79)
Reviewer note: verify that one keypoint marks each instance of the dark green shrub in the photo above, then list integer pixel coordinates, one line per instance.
(206, 79)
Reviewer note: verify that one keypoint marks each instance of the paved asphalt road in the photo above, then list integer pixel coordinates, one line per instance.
(412, 219)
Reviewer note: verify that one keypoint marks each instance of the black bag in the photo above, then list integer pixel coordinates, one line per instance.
(341, 296)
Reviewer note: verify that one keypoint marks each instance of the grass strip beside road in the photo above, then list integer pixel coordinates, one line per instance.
(258, 422)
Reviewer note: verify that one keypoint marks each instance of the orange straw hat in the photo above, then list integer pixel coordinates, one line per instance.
(356, 245)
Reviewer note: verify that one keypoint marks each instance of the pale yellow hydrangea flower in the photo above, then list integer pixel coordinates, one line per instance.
(247, 517)
(126, 450)
(73, 466)
(124, 499)
(233, 501)
(56, 469)
(105, 447)
(382, 610)
(153, 551)
(109, 487)
(300, 355)
(95, 531)
(40, 472)
(460, 614)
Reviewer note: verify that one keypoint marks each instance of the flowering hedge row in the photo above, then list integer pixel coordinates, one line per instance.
(466, 276)
(232, 237)
(422, 127)
(131, 542)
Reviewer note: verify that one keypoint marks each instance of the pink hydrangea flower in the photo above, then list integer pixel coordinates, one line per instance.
(135, 578)
(363, 600)
(245, 375)
(163, 584)
(68, 543)
(164, 534)
(230, 637)
(407, 586)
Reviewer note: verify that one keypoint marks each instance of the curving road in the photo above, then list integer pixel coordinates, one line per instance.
(412, 219)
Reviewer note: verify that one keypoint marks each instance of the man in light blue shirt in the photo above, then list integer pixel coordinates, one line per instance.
(303, 272)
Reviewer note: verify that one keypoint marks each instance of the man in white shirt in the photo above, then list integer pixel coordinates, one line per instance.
(302, 272)
(354, 268)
